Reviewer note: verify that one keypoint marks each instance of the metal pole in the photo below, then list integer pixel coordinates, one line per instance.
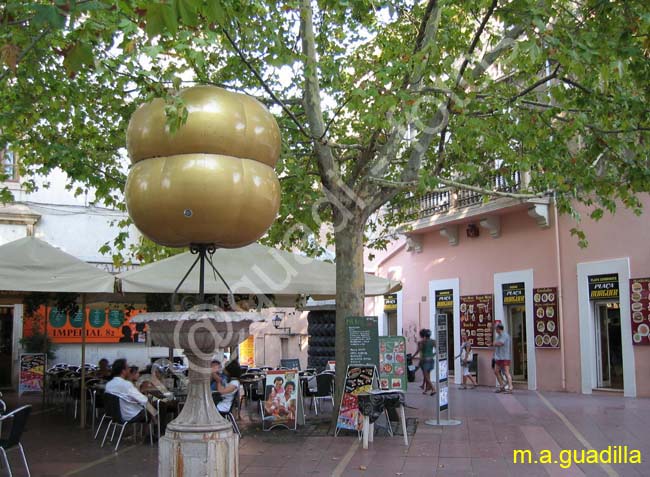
(82, 397)
(437, 376)
(202, 252)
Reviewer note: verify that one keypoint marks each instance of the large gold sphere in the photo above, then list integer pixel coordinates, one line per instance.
(218, 122)
(202, 198)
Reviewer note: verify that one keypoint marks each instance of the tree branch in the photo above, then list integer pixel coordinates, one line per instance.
(24, 53)
(264, 84)
(311, 98)
(536, 84)
(475, 40)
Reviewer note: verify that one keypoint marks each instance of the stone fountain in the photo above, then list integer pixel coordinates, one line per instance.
(210, 184)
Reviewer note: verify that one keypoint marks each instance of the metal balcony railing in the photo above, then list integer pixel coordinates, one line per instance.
(444, 200)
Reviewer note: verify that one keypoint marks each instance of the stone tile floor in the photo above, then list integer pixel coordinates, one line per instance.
(493, 425)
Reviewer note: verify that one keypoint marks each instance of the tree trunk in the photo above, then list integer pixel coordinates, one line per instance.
(350, 289)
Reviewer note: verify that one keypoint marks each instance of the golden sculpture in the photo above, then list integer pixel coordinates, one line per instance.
(212, 182)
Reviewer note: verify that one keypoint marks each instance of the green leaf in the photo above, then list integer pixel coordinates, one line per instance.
(48, 14)
(188, 11)
(80, 55)
(160, 18)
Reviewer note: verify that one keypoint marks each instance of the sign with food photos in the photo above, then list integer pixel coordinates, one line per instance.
(477, 319)
(640, 308)
(545, 309)
(358, 379)
(32, 372)
(392, 362)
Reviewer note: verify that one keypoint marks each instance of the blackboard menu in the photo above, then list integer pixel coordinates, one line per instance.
(640, 306)
(290, 363)
(547, 330)
(476, 319)
(363, 340)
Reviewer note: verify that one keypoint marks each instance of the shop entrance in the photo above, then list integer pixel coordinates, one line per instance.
(517, 329)
(609, 350)
(391, 323)
(6, 345)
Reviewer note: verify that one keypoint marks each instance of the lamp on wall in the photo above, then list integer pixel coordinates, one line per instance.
(277, 320)
(472, 230)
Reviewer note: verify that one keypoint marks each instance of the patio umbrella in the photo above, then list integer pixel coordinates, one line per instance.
(254, 269)
(32, 265)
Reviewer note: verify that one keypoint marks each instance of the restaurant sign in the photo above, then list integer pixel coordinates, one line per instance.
(103, 325)
(603, 287)
(444, 299)
(390, 302)
(514, 293)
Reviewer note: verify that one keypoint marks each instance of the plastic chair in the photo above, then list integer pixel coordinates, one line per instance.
(19, 421)
(112, 406)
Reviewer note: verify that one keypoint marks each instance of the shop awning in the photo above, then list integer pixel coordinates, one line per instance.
(32, 265)
(254, 269)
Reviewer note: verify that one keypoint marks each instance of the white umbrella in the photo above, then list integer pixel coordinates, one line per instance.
(32, 265)
(254, 269)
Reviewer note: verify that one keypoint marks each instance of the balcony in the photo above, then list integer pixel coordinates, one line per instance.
(446, 208)
(444, 200)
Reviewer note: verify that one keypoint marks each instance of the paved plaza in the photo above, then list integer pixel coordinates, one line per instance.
(493, 425)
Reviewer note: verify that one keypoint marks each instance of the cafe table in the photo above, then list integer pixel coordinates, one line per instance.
(373, 404)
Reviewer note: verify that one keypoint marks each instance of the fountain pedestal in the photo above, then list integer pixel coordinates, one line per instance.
(199, 442)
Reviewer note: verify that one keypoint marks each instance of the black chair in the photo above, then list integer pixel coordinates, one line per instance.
(112, 406)
(324, 389)
(216, 397)
(19, 421)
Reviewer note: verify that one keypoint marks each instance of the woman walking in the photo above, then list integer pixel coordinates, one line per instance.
(426, 350)
(466, 357)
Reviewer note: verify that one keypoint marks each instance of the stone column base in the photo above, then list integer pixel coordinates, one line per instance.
(194, 454)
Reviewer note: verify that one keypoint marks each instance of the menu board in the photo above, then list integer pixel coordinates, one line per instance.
(32, 372)
(640, 306)
(358, 379)
(476, 319)
(547, 329)
(363, 340)
(392, 362)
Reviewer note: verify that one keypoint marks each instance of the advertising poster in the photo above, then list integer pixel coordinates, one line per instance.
(547, 330)
(32, 373)
(363, 340)
(476, 319)
(104, 325)
(280, 399)
(640, 308)
(247, 352)
(358, 379)
(604, 287)
(392, 362)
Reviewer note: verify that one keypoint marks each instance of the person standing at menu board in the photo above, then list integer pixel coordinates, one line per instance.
(502, 360)
(426, 350)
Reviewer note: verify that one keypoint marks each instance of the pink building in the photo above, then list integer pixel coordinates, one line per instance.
(576, 320)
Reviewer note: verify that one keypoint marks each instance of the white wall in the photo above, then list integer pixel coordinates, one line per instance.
(11, 232)
(137, 354)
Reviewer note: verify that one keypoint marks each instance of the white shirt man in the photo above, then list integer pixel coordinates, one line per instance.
(132, 401)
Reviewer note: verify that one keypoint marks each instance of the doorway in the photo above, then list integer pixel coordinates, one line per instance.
(6, 345)
(517, 328)
(391, 323)
(609, 349)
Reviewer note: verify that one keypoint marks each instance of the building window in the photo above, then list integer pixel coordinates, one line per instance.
(9, 161)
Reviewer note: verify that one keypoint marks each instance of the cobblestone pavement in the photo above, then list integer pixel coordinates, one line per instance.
(493, 425)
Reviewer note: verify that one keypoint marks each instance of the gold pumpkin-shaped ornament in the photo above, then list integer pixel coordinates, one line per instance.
(212, 182)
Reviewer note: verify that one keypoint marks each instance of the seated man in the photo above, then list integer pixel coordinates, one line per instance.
(132, 401)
